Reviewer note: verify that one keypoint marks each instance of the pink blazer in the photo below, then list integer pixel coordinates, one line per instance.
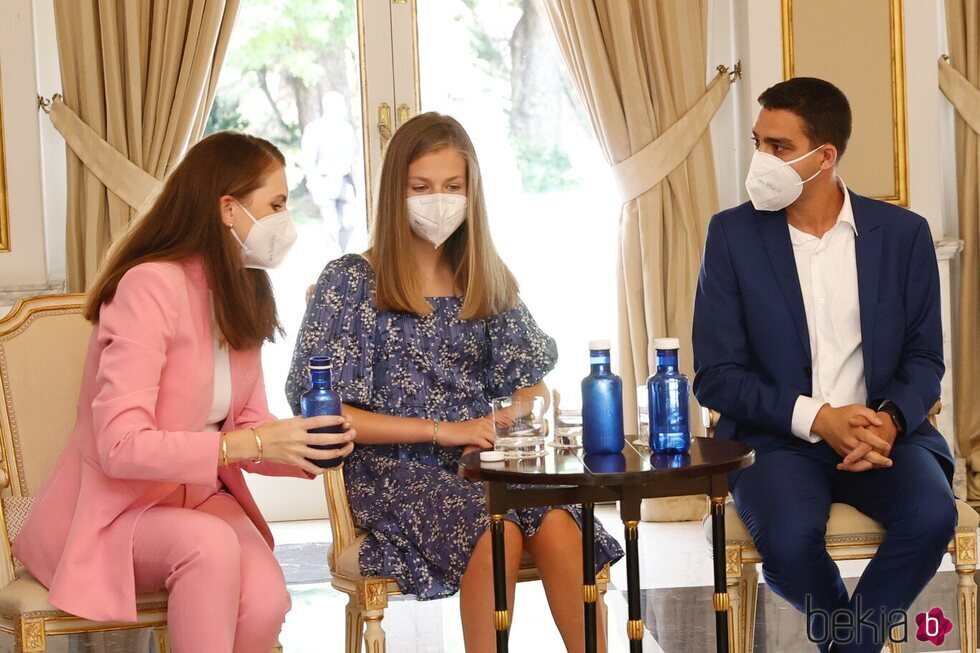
(146, 393)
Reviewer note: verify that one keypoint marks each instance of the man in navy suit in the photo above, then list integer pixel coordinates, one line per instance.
(817, 336)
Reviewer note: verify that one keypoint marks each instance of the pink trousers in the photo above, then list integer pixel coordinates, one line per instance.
(226, 590)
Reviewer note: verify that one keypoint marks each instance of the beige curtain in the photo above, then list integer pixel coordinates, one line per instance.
(639, 66)
(139, 75)
(962, 85)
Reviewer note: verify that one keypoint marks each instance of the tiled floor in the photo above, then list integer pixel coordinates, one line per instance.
(675, 574)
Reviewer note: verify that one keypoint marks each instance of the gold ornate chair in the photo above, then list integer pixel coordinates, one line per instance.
(368, 596)
(851, 535)
(43, 343)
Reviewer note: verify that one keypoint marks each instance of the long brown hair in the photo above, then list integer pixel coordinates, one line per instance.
(185, 222)
(488, 285)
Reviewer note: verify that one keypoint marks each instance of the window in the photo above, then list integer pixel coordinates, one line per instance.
(494, 65)
(292, 76)
(296, 73)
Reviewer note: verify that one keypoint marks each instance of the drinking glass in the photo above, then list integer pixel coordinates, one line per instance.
(642, 417)
(568, 422)
(518, 423)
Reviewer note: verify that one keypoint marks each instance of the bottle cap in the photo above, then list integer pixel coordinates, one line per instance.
(319, 363)
(491, 456)
(666, 343)
(598, 345)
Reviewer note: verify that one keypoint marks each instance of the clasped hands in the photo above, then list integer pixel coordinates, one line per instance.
(862, 437)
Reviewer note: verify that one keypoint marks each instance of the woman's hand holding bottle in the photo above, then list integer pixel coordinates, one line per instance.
(288, 441)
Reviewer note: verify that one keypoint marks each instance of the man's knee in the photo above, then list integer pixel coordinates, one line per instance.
(930, 521)
(792, 550)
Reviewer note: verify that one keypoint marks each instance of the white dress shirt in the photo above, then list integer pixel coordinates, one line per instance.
(828, 279)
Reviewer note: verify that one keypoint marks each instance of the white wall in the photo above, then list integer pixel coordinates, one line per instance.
(54, 177)
(24, 267)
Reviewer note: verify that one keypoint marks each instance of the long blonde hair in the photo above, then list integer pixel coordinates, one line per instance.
(488, 285)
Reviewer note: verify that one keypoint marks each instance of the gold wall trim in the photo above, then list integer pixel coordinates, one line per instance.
(898, 84)
(4, 204)
(367, 124)
(415, 58)
(899, 126)
(788, 61)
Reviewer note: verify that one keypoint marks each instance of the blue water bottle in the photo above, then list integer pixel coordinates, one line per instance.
(667, 392)
(322, 400)
(602, 403)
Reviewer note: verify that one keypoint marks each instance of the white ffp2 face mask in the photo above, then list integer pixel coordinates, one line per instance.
(772, 183)
(269, 240)
(437, 216)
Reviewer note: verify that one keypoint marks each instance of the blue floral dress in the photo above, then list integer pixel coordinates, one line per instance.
(422, 520)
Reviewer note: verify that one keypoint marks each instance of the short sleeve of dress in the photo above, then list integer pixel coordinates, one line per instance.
(339, 324)
(521, 354)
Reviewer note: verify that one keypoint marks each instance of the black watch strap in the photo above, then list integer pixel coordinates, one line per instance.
(889, 406)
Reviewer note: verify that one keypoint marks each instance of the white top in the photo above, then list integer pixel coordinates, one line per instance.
(221, 403)
(828, 279)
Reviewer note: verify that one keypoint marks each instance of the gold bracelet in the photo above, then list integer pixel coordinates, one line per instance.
(224, 449)
(258, 445)
(435, 432)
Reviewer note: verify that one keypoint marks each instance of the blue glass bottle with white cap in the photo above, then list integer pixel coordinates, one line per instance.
(602, 403)
(668, 393)
(321, 399)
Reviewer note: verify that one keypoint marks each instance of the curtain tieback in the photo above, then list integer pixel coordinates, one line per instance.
(121, 176)
(963, 95)
(647, 167)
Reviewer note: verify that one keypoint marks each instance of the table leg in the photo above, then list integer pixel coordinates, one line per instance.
(720, 598)
(589, 592)
(634, 627)
(501, 616)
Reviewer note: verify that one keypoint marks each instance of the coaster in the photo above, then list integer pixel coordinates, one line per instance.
(491, 456)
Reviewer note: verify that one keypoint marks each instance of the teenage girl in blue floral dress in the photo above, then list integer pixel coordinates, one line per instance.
(422, 331)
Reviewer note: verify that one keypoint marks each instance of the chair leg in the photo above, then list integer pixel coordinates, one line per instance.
(895, 646)
(965, 559)
(30, 636)
(161, 641)
(736, 641)
(355, 626)
(733, 576)
(374, 635)
(277, 648)
(750, 594)
(966, 599)
(372, 599)
(602, 584)
(603, 613)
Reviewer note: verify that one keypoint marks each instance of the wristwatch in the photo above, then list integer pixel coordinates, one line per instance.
(888, 406)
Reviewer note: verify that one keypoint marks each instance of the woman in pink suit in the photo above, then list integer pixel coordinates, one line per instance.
(149, 494)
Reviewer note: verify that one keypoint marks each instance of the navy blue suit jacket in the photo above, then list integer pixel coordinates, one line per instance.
(752, 354)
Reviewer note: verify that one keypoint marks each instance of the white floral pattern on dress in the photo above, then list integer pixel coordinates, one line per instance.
(422, 519)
